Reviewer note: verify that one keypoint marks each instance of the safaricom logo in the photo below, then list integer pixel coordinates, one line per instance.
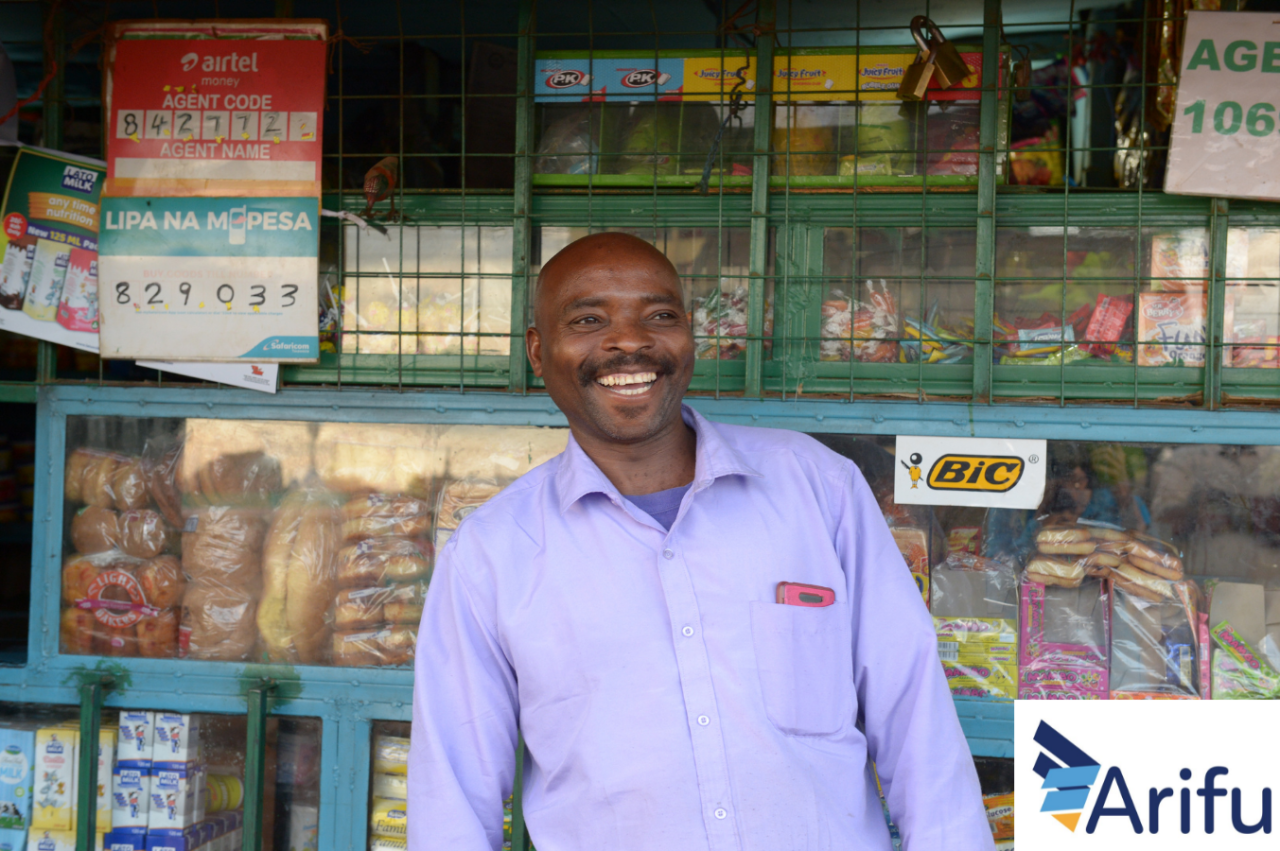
(1069, 773)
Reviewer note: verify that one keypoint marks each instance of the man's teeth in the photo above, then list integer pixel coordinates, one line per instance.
(620, 379)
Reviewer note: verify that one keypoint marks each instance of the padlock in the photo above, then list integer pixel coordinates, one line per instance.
(916, 76)
(949, 66)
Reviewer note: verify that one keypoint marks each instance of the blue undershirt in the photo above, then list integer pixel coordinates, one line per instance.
(662, 506)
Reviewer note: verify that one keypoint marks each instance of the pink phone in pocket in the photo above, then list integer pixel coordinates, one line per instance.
(799, 594)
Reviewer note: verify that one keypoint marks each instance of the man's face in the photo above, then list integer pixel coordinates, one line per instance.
(612, 341)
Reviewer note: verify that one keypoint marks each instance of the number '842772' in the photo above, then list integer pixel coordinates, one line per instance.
(1230, 117)
(154, 294)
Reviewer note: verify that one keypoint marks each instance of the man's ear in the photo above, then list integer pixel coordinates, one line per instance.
(533, 346)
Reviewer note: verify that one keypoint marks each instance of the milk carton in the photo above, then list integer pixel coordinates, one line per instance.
(12, 840)
(166, 839)
(173, 799)
(125, 839)
(57, 840)
(17, 753)
(137, 735)
(177, 737)
(131, 794)
(106, 765)
(54, 784)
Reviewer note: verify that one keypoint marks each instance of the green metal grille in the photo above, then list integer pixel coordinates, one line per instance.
(810, 271)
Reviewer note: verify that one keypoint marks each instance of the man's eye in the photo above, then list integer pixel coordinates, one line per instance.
(586, 320)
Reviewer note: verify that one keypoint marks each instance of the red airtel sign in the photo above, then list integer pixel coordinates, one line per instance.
(211, 116)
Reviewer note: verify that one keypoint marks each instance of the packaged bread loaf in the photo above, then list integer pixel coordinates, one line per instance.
(389, 645)
(218, 621)
(244, 478)
(160, 462)
(129, 485)
(95, 529)
(144, 533)
(299, 578)
(112, 600)
(383, 561)
(223, 544)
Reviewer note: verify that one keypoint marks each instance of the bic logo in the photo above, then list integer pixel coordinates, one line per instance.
(1070, 781)
(991, 473)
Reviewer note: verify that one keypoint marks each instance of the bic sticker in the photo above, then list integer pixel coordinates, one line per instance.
(983, 472)
(998, 474)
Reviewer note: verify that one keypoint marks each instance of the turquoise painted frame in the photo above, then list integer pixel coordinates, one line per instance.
(348, 700)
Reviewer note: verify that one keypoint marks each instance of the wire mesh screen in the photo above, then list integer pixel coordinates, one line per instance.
(1000, 232)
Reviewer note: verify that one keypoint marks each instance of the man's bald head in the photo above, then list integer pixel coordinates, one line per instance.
(600, 252)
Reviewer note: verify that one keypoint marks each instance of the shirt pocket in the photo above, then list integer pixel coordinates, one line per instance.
(804, 656)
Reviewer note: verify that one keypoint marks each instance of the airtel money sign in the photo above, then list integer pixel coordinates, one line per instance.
(984, 472)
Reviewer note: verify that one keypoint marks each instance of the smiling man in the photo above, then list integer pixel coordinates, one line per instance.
(705, 632)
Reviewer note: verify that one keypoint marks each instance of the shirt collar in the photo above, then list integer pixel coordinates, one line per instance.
(578, 475)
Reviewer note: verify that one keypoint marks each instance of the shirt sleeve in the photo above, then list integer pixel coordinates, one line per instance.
(462, 754)
(905, 706)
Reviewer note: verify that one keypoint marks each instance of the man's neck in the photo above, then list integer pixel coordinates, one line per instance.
(666, 460)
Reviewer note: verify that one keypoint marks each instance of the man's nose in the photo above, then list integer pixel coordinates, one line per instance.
(628, 335)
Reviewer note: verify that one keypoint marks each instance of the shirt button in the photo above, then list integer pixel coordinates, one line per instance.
(721, 813)
(704, 721)
(688, 632)
(668, 554)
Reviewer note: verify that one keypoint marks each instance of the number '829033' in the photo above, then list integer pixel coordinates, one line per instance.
(155, 293)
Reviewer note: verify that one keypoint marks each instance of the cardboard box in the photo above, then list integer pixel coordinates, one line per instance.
(131, 794)
(1065, 641)
(125, 839)
(177, 737)
(166, 839)
(137, 735)
(17, 760)
(1171, 329)
(54, 795)
(173, 796)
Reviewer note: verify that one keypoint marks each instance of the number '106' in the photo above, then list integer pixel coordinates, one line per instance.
(225, 293)
(1229, 117)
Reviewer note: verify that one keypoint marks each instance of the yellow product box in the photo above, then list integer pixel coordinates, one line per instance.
(389, 818)
(979, 655)
(54, 789)
(106, 767)
(391, 755)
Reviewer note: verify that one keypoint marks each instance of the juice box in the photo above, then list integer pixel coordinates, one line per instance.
(54, 795)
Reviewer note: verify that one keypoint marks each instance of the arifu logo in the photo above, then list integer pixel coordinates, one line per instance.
(1069, 773)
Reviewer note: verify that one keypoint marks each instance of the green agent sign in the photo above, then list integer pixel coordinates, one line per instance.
(1226, 134)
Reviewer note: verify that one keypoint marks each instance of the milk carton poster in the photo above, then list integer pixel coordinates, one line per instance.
(49, 244)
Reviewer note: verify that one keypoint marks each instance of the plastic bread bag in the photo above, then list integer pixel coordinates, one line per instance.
(391, 644)
(144, 533)
(242, 479)
(570, 145)
(378, 514)
(161, 459)
(90, 477)
(1065, 553)
(974, 602)
(299, 573)
(373, 606)
(1154, 645)
(382, 561)
(222, 544)
(457, 500)
(218, 621)
(1064, 641)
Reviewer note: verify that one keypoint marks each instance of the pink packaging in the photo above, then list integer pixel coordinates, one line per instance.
(1065, 633)
(78, 308)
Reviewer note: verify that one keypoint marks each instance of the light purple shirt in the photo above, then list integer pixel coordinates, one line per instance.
(667, 701)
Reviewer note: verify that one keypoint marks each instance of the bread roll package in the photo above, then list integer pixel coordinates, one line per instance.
(1064, 640)
(392, 644)
(118, 605)
(457, 500)
(161, 459)
(974, 601)
(223, 545)
(389, 560)
(299, 578)
(219, 622)
(1068, 552)
(376, 515)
